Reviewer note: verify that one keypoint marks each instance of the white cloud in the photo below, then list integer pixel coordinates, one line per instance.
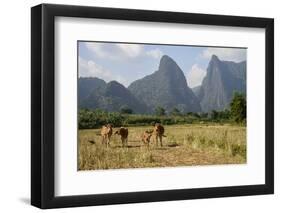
(92, 69)
(120, 51)
(131, 50)
(155, 53)
(226, 54)
(115, 51)
(195, 76)
(97, 48)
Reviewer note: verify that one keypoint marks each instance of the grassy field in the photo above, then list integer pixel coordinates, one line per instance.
(185, 145)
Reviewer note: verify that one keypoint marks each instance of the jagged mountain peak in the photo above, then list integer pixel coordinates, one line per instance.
(215, 58)
(114, 84)
(167, 64)
(214, 62)
(167, 88)
(165, 59)
(222, 79)
(114, 88)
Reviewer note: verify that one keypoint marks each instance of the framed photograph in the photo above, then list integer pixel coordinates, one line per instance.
(136, 106)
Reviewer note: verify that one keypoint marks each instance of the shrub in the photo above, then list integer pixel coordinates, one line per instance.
(238, 108)
(160, 111)
(89, 119)
(238, 149)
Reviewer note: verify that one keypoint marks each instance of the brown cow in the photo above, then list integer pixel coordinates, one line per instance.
(106, 132)
(123, 132)
(158, 133)
(145, 137)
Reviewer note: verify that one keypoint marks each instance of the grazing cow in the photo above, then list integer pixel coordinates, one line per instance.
(123, 132)
(106, 132)
(158, 133)
(145, 137)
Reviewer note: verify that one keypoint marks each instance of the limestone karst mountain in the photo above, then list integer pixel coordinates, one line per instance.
(166, 88)
(112, 97)
(222, 80)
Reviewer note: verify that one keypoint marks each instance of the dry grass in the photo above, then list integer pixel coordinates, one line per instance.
(185, 145)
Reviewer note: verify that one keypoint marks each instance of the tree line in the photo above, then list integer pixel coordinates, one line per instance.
(96, 118)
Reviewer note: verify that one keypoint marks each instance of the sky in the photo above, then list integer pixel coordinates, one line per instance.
(127, 62)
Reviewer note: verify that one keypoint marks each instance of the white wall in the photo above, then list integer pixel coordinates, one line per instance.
(15, 105)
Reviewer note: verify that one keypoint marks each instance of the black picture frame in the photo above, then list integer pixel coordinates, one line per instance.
(43, 102)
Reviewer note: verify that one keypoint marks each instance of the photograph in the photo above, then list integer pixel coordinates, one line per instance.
(160, 105)
(140, 105)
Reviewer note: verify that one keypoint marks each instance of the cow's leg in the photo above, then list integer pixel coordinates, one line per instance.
(123, 141)
(102, 140)
(107, 141)
(160, 138)
(156, 140)
(126, 141)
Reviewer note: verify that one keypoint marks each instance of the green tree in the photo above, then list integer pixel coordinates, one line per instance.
(126, 110)
(238, 108)
(160, 111)
(224, 114)
(203, 115)
(89, 119)
(214, 115)
(196, 115)
(175, 112)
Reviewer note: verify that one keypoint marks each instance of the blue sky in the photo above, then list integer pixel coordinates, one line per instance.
(126, 63)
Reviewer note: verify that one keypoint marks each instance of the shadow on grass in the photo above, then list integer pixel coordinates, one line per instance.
(129, 146)
(92, 141)
(173, 145)
(161, 148)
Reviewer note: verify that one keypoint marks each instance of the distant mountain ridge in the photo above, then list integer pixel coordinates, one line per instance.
(112, 97)
(86, 85)
(167, 88)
